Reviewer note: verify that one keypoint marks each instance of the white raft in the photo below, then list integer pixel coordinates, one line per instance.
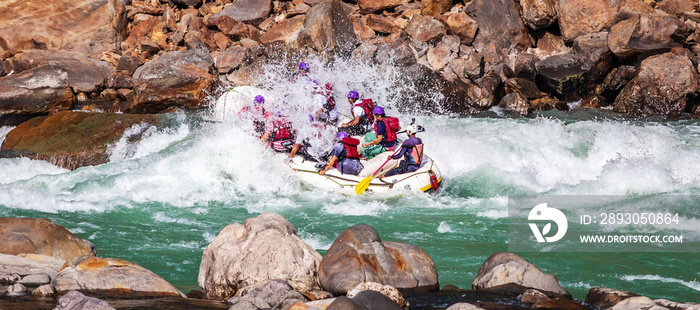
(418, 180)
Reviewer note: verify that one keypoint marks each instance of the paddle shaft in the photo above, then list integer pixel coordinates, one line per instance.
(382, 166)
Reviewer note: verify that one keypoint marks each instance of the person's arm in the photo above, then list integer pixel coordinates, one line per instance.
(294, 150)
(354, 122)
(265, 137)
(375, 141)
(329, 165)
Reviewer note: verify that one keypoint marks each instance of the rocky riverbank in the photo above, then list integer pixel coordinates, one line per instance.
(638, 57)
(263, 264)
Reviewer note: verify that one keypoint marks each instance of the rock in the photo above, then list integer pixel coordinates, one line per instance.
(147, 35)
(380, 23)
(677, 305)
(358, 255)
(637, 302)
(547, 104)
(484, 94)
(228, 26)
(111, 276)
(425, 29)
(75, 300)
(45, 290)
(464, 306)
(251, 12)
(362, 31)
(371, 6)
(109, 94)
(461, 25)
(676, 7)
(440, 55)
(525, 87)
(533, 296)
(470, 68)
(500, 26)
(188, 3)
(9, 278)
(646, 35)
(386, 290)
(95, 25)
(29, 264)
(41, 236)
(16, 290)
(435, 8)
(35, 280)
(180, 79)
(275, 294)
(374, 301)
(264, 248)
(75, 139)
(395, 51)
(190, 22)
(615, 81)
(538, 14)
(364, 53)
(577, 17)
(660, 88)
(318, 295)
(328, 29)
(286, 31)
(525, 66)
(550, 44)
(515, 102)
(230, 59)
(504, 267)
(606, 298)
(559, 304)
(344, 303)
(46, 88)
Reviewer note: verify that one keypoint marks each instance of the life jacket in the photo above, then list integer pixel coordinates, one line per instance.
(392, 127)
(368, 106)
(416, 155)
(330, 100)
(282, 129)
(351, 148)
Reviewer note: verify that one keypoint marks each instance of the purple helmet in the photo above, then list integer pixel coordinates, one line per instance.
(304, 66)
(378, 110)
(259, 99)
(342, 135)
(353, 95)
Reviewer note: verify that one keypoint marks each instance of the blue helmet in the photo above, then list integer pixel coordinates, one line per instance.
(378, 110)
(259, 99)
(342, 135)
(353, 95)
(304, 66)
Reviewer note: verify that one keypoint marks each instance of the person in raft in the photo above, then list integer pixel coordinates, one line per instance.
(344, 156)
(328, 113)
(257, 114)
(411, 151)
(279, 133)
(362, 115)
(386, 129)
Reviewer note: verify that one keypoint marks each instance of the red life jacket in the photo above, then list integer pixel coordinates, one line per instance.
(392, 127)
(368, 106)
(416, 155)
(351, 147)
(282, 129)
(330, 100)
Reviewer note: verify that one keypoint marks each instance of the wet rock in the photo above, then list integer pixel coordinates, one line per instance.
(371, 6)
(547, 104)
(464, 306)
(374, 300)
(560, 304)
(358, 255)
(386, 290)
(29, 264)
(533, 296)
(435, 8)
(111, 276)
(394, 50)
(362, 30)
(364, 53)
(41, 236)
(9, 278)
(615, 81)
(646, 35)
(526, 87)
(98, 25)
(471, 68)
(264, 248)
(425, 29)
(286, 31)
(173, 79)
(515, 102)
(327, 28)
(75, 300)
(45, 290)
(230, 59)
(442, 53)
(525, 66)
(74, 139)
(503, 267)
(486, 92)
(461, 25)
(500, 26)
(344, 303)
(661, 87)
(606, 298)
(637, 302)
(16, 290)
(35, 280)
(251, 12)
(275, 294)
(538, 14)
(34, 92)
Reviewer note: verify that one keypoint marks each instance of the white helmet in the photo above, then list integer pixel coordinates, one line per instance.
(410, 129)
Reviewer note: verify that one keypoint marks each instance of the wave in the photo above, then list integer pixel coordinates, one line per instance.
(690, 284)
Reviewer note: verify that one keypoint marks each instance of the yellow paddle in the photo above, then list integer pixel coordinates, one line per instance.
(364, 184)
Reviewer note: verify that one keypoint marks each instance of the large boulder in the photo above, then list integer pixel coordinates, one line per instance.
(393, 50)
(251, 12)
(286, 31)
(34, 92)
(75, 300)
(358, 255)
(501, 30)
(371, 6)
(75, 139)
(661, 87)
(425, 29)
(677, 7)
(327, 28)
(461, 25)
(275, 294)
(606, 298)
(646, 35)
(538, 14)
(111, 276)
(174, 79)
(86, 26)
(386, 290)
(28, 264)
(503, 268)
(435, 8)
(41, 236)
(264, 248)
(578, 17)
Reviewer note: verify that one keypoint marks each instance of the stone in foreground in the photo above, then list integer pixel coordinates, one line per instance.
(503, 267)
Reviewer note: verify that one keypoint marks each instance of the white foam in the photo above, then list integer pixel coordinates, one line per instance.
(694, 284)
(318, 242)
(161, 217)
(493, 214)
(357, 207)
(208, 237)
(444, 228)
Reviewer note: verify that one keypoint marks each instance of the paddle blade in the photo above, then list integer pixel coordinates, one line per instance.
(363, 185)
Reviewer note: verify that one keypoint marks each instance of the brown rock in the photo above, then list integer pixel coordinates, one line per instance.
(394, 50)
(547, 104)
(435, 8)
(230, 59)
(526, 87)
(327, 28)
(118, 80)
(646, 34)
(550, 44)
(371, 6)
(464, 306)
(40, 236)
(444, 52)
(111, 276)
(75, 300)
(95, 25)
(229, 26)
(425, 29)
(577, 17)
(364, 53)
(109, 94)
(188, 3)
(380, 23)
(538, 14)
(533, 296)
(386, 290)
(129, 62)
(358, 255)
(561, 304)
(72, 139)
(515, 102)
(363, 31)
(286, 31)
(461, 25)
(34, 92)
(251, 12)
(500, 26)
(189, 22)
(660, 88)
(525, 66)
(606, 298)
(468, 69)
(677, 7)
(147, 35)
(179, 79)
